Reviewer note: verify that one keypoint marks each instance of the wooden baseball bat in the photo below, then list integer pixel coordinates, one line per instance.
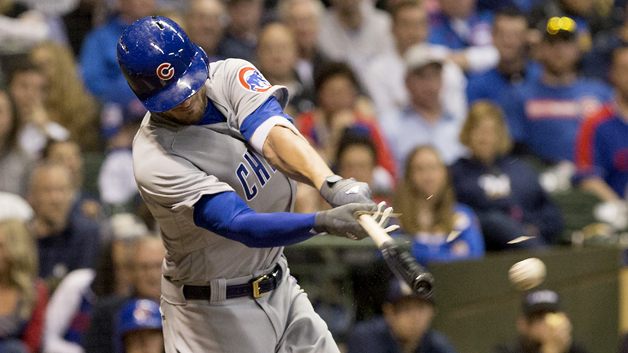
(401, 263)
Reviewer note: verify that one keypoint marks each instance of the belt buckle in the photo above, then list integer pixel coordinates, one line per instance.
(256, 293)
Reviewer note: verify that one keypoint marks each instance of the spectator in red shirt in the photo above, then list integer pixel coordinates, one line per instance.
(24, 297)
(338, 108)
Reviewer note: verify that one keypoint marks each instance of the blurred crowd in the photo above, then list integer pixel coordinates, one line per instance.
(478, 120)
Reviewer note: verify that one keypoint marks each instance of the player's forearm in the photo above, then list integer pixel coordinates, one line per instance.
(227, 215)
(293, 156)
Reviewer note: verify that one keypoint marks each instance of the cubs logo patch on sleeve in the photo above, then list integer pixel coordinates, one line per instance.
(253, 80)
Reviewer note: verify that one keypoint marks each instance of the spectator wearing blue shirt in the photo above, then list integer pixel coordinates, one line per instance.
(503, 191)
(510, 36)
(66, 241)
(602, 144)
(466, 32)
(543, 114)
(98, 61)
(426, 120)
(431, 214)
(403, 328)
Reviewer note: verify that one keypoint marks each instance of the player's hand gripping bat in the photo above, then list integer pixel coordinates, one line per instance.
(399, 261)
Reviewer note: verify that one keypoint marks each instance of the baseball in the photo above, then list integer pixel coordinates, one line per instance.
(527, 274)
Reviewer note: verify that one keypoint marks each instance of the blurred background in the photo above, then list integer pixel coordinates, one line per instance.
(497, 128)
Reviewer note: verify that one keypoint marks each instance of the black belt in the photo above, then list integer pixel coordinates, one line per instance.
(256, 287)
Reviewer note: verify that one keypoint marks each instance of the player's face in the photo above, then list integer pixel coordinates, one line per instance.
(357, 162)
(483, 138)
(189, 112)
(411, 26)
(428, 172)
(510, 37)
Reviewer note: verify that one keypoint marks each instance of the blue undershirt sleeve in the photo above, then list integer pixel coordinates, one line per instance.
(267, 110)
(227, 215)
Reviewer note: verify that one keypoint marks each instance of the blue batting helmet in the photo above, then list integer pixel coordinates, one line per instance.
(160, 63)
(140, 314)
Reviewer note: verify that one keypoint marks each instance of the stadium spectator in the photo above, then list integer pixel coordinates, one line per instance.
(543, 326)
(65, 241)
(71, 307)
(276, 57)
(116, 183)
(432, 216)
(14, 163)
(356, 157)
(466, 32)
(355, 32)
(602, 143)
(543, 115)
(405, 326)
(510, 37)
(502, 190)
(26, 85)
(99, 63)
(596, 63)
(424, 121)
(66, 99)
(20, 28)
(240, 39)
(582, 12)
(205, 24)
(385, 75)
(303, 19)
(68, 153)
(138, 328)
(146, 263)
(337, 99)
(24, 296)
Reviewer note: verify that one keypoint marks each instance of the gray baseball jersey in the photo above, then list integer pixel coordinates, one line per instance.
(175, 165)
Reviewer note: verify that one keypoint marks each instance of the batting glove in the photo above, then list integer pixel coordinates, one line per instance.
(341, 220)
(338, 191)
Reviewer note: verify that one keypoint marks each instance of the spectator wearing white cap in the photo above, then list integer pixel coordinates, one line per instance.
(384, 76)
(425, 120)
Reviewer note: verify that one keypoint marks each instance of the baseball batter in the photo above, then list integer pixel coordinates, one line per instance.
(215, 160)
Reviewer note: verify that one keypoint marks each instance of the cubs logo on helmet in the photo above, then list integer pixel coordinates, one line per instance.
(253, 80)
(165, 71)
